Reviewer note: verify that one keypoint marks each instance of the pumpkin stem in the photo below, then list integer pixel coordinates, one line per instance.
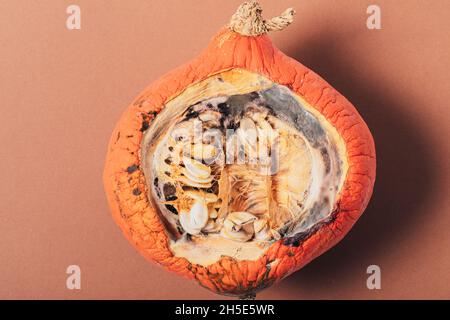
(248, 20)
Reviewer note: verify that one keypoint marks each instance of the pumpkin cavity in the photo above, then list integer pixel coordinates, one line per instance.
(235, 163)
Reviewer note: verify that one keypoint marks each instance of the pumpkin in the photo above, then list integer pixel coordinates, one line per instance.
(240, 167)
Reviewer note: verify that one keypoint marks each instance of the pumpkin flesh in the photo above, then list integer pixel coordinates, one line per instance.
(237, 162)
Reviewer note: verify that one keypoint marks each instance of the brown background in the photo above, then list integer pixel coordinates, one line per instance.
(62, 91)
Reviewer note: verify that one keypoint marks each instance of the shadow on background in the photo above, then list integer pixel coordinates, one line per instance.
(405, 173)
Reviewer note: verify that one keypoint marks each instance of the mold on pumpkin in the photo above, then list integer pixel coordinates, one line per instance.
(240, 167)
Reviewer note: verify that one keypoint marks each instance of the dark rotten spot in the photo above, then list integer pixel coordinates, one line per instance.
(223, 108)
(171, 209)
(300, 237)
(326, 159)
(254, 95)
(171, 198)
(233, 126)
(132, 168)
(191, 114)
(297, 239)
(136, 191)
(169, 190)
(145, 126)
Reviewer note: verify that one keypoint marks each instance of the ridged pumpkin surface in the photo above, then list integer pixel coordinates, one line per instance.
(127, 188)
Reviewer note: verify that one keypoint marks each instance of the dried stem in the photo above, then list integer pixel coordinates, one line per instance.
(248, 20)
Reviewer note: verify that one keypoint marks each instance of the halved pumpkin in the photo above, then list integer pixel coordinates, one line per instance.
(240, 167)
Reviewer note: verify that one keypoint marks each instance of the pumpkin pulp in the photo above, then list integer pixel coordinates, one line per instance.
(237, 162)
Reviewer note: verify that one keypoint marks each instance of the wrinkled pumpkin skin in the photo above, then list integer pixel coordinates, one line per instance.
(126, 186)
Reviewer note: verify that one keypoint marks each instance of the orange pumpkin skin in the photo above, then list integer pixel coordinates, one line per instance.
(126, 187)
